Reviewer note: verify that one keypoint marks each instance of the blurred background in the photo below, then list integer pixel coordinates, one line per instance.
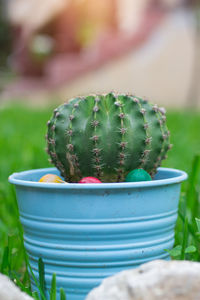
(55, 49)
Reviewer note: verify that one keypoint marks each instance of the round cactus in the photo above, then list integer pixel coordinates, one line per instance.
(107, 136)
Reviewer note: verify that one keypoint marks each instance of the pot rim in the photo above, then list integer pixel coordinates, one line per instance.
(177, 176)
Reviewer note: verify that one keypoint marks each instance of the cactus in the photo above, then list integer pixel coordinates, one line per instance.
(107, 136)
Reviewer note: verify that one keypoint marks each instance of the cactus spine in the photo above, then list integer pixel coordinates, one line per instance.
(107, 136)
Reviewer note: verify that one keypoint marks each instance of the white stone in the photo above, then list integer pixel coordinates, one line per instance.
(156, 280)
(9, 291)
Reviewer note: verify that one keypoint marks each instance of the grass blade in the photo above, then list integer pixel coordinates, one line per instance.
(191, 228)
(35, 296)
(198, 223)
(10, 247)
(191, 194)
(62, 294)
(15, 278)
(5, 261)
(41, 274)
(185, 239)
(26, 279)
(34, 278)
(53, 288)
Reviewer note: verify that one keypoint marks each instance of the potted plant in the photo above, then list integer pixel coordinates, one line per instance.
(86, 232)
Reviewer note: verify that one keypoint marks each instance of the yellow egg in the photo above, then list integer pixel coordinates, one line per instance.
(51, 178)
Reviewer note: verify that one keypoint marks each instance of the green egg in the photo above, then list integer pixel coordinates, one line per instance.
(138, 175)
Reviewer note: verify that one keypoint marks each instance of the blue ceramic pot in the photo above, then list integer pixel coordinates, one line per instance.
(86, 232)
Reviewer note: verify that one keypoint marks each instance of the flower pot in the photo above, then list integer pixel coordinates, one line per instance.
(86, 232)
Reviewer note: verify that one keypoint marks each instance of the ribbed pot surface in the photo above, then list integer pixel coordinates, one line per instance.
(86, 232)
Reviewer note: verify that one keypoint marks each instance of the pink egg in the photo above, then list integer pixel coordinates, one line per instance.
(90, 180)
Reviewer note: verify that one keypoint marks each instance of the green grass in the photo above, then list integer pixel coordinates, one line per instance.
(22, 147)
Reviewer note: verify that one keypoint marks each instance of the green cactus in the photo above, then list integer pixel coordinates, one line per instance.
(107, 136)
